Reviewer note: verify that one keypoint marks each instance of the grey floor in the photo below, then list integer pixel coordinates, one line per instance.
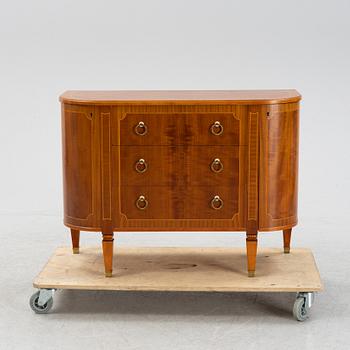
(130, 320)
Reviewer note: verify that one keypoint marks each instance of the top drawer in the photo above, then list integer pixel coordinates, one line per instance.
(171, 129)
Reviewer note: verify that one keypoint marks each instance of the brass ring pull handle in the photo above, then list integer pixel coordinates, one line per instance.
(216, 166)
(141, 129)
(142, 203)
(217, 203)
(141, 166)
(217, 128)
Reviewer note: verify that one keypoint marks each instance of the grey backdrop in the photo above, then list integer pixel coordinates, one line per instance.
(50, 46)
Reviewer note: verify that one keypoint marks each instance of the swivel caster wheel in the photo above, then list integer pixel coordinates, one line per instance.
(41, 301)
(302, 305)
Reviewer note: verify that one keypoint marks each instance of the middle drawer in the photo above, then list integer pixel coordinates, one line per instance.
(178, 165)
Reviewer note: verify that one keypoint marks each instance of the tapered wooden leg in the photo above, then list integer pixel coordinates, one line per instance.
(75, 234)
(252, 246)
(286, 240)
(107, 246)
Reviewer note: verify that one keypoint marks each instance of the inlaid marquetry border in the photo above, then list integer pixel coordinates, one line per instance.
(253, 167)
(237, 222)
(90, 117)
(267, 221)
(106, 173)
(166, 222)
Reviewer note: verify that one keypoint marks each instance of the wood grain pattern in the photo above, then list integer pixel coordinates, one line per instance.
(181, 97)
(254, 114)
(106, 173)
(78, 156)
(252, 246)
(179, 166)
(286, 240)
(256, 144)
(179, 129)
(107, 246)
(183, 175)
(75, 235)
(80, 159)
(253, 150)
(179, 203)
(278, 187)
(182, 269)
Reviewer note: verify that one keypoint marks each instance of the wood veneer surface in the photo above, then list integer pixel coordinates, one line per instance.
(179, 134)
(181, 96)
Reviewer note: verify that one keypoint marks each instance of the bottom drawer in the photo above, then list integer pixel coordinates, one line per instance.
(200, 202)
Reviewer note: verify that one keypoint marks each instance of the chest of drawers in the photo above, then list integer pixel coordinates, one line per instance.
(180, 161)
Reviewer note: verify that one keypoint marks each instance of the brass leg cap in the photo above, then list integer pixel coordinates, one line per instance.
(108, 274)
(75, 250)
(286, 250)
(251, 273)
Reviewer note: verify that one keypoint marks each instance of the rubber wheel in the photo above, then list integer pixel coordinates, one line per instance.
(44, 309)
(300, 312)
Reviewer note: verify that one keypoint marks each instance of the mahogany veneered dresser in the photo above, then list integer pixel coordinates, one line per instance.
(180, 161)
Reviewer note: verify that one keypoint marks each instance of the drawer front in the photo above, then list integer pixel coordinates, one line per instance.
(212, 165)
(211, 202)
(148, 165)
(179, 165)
(177, 129)
(139, 202)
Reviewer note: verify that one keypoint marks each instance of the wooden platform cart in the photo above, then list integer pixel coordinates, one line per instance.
(180, 269)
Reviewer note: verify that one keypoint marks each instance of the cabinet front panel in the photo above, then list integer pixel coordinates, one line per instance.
(182, 196)
(178, 129)
(279, 167)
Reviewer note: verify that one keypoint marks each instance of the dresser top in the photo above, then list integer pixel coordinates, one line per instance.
(180, 97)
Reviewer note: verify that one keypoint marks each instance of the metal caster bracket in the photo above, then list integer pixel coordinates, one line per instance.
(309, 298)
(45, 295)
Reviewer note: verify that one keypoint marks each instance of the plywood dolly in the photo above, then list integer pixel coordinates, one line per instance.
(180, 269)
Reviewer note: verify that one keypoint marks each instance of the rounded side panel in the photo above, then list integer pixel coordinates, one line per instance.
(81, 171)
(278, 177)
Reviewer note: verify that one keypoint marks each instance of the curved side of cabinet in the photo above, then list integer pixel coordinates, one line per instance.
(81, 167)
(278, 177)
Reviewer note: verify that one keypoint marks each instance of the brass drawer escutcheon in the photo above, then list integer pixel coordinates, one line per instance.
(142, 203)
(217, 203)
(141, 129)
(217, 128)
(216, 166)
(141, 166)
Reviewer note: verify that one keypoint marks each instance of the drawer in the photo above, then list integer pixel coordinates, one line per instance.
(158, 202)
(148, 165)
(219, 202)
(139, 202)
(213, 165)
(179, 165)
(177, 129)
